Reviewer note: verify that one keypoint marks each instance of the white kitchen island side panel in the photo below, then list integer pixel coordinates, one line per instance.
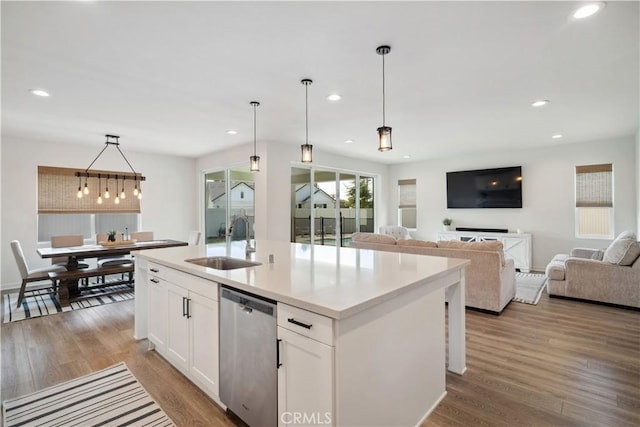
(390, 361)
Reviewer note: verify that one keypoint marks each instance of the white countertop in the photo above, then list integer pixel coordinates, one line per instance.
(334, 282)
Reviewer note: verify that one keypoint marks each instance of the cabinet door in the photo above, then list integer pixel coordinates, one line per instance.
(178, 327)
(305, 381)
(518, 249)
(204, 340)
(157, 312)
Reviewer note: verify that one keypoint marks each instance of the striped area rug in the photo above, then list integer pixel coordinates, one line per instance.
(529, 287)
(43, 302)
(111, 397)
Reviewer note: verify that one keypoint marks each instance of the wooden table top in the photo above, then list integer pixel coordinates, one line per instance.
(92, 251)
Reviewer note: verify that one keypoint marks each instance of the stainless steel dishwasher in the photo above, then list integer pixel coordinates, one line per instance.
(248, 359)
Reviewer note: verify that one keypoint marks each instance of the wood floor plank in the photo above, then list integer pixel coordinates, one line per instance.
(560, 363)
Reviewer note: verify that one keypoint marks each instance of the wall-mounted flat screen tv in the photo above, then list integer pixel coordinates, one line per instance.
(485, 188)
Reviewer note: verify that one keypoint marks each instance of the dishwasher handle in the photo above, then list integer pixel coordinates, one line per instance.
(278, 364)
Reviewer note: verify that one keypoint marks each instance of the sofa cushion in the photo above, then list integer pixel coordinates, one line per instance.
(555, 269)
(624, 250)
(373, 238)
(421, 243)
(493, 245)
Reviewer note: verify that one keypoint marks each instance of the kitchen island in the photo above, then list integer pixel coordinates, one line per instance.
(375, 354)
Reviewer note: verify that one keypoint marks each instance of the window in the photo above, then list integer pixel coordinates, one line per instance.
(594, 201)
(61, 212)
(407, 211)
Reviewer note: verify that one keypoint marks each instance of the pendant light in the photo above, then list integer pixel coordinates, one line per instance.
(79, 195)
(117, 199)
(384, 132)
(112, 141)
(99, 189)
(307, 149)
(254, 161)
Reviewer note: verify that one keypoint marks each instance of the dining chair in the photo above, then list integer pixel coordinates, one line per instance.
(142, 236)
(194, 238)
(31, 275)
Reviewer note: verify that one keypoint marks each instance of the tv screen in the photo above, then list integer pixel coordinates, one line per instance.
(485, 188)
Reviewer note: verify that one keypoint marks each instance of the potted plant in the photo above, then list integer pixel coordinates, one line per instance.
(447, 224)
(111, 235)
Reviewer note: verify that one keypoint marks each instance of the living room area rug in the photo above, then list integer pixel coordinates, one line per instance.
(43, 302)
(110, 397)
(529, 287)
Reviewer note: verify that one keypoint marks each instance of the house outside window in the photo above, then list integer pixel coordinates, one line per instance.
(407, 211)
(594, 201)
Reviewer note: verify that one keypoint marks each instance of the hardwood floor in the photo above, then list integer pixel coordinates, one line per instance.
(560, 363)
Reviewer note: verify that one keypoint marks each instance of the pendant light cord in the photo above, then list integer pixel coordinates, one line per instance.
(254, 129)
(306, 108)
(383, 97)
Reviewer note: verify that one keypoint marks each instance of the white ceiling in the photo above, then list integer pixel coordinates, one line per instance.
(172, 77)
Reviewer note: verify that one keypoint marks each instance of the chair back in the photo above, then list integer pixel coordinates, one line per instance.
(65, 242)
(142, 236)
(20, 259)
(194, 238)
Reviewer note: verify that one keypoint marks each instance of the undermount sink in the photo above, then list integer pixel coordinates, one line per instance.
(222, 262)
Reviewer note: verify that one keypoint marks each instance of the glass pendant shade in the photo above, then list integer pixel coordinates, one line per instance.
(86, 188)
(307, 153)
(384, 135)
(254, 163)
(79, 193)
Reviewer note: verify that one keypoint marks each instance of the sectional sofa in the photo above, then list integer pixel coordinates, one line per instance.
(490, 282)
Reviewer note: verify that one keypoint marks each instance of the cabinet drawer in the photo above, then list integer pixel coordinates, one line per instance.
(188, 281)
(306, 323)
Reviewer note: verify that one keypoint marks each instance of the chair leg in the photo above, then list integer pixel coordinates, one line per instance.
(21, 294)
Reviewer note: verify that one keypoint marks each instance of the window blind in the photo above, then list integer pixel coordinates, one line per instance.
(58, 187)
(594, 186)
(407, 193)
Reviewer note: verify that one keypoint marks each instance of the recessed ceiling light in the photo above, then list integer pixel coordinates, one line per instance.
(540, 103)
(348, 141)
(588, 10)
(334, 97)
(232, 132)
(406, 156)
(557, 136)
(39, 92)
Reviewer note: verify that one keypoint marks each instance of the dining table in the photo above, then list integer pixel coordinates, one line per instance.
(98, 250)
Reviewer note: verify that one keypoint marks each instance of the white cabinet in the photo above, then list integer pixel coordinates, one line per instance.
(517, 246)
(306, 371)
(156, 323)
(183, 324)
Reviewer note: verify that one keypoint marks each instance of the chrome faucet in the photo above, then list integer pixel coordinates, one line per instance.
(248, 248)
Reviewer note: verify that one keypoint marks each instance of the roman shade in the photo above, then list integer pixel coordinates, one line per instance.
(407, 193)
(57, 192)
(594, 185)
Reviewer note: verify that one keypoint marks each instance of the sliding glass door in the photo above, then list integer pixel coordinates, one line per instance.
(328, 206)
(229, 194)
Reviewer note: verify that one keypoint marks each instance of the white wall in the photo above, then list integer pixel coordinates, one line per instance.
(168, 204)
(273, 182)
(548, 193)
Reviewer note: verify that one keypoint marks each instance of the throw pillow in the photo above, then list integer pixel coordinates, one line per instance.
(421, 243)
(598, 255)
(623, 250)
